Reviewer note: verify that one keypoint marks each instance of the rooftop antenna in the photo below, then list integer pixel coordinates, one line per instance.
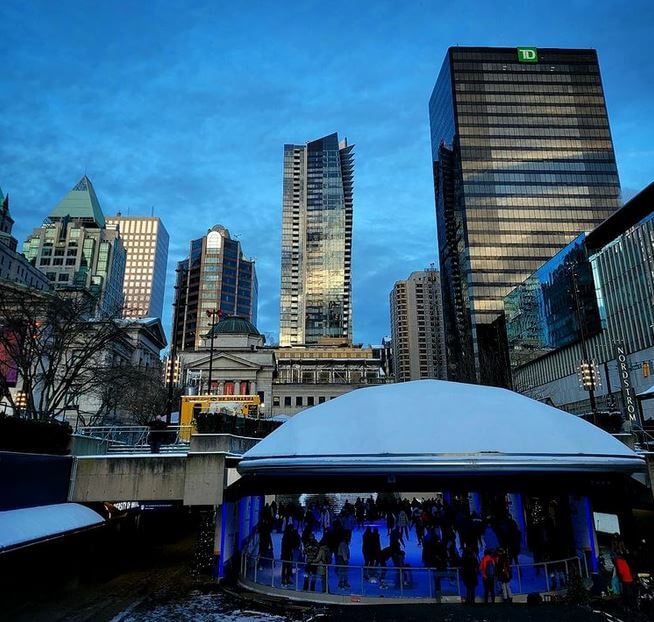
(152, 211)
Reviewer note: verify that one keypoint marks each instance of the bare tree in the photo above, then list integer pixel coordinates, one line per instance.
(136, 394)
(56, 345)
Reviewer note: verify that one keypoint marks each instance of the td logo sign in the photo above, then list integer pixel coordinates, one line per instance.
(527, 55)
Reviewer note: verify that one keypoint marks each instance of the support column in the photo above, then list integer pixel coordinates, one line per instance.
(474, 501)
(583, 530)
(218, 542)
(517, 511)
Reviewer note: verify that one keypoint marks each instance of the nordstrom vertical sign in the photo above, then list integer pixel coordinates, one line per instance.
(628, 393)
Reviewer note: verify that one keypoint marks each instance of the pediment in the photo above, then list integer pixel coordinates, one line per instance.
(223, 360)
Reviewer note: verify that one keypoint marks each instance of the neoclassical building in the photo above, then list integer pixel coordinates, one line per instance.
(237, 362)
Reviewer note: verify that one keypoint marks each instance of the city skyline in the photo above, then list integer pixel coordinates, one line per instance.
(234, 178)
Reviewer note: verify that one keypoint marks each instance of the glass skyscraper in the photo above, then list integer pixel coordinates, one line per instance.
(215, 279)
(316, 287)
(523, 162)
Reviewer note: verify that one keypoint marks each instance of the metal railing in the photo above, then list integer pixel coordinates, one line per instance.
(405, 582)
(136, 438)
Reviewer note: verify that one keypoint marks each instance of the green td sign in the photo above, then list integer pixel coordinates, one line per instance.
(527, 55)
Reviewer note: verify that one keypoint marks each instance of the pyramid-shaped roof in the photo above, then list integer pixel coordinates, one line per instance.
(80, 203)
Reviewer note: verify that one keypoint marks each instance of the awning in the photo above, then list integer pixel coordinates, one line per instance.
(647, 394)
(32, 525)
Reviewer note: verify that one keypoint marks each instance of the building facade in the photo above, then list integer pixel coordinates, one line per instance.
(215, 280)
(595, 295)
(523, 161)
(146, 243)
(316, 282)
(311, 375)
(417, 327)
(15, 267)
(236, 364)
(75, 250)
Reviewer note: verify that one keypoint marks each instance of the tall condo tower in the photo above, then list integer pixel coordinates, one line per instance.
(417, 327)
(146, 242)
(316, 287)
(523, 162)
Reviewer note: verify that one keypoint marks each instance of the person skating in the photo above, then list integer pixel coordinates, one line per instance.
(504, 574)
(488, 576)
(311, 551)
(343, 560)
(290, 544)
(469, 573)
(324, 559)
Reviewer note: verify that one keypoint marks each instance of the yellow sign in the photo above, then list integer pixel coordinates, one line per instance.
(236, 405)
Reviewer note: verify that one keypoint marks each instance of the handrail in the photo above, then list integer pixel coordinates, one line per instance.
(552, 575)
(133, 435)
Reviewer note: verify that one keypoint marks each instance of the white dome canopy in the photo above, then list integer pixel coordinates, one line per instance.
(437, 426)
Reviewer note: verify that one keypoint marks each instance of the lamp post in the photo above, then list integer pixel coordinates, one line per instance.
(212, 313)
(587, 368)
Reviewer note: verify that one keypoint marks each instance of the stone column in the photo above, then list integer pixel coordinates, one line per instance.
(474, 500)
(583, 530)
(517, 511)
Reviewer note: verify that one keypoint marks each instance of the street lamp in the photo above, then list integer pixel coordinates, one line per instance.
(212, 313)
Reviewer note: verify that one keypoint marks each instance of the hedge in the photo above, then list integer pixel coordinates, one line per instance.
(34, 436)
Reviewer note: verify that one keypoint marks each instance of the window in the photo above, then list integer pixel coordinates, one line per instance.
(287, 400)
(276, 400)
(298, 400)
(321, 399)
(310, 400)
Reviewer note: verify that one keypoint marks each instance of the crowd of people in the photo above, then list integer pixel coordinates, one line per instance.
(448, 534)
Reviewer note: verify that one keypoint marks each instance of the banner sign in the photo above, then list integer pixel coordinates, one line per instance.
(628, 393)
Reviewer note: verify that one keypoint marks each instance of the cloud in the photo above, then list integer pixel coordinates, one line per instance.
(185, 109)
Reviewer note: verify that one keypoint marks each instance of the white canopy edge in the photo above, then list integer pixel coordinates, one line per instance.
(31, 525)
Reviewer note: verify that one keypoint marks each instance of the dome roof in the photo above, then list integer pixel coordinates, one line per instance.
(234, 325)
(436, 426)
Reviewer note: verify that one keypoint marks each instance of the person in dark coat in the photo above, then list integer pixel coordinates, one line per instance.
(368, 551)
(469, 566)
(504, 575)
(434, 556)
(290, 544)
(311, 550)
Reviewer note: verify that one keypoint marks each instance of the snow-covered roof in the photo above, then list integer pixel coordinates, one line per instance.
(433, 425)
(30, 525)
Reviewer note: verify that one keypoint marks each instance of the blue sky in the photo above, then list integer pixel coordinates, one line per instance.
(186, 106)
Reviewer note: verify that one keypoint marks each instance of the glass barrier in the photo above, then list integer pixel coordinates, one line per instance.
(403, 582)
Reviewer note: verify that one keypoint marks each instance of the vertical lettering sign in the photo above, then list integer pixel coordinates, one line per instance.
(628, 392)
(527, 55)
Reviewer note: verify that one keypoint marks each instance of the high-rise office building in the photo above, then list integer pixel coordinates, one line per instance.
(75, 250)
(316, 288)
(417, 327)
(146, 242)
(214, 281)
(523, 161)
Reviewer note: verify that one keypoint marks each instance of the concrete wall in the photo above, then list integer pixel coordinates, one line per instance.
(198, 478)
(155, 477)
